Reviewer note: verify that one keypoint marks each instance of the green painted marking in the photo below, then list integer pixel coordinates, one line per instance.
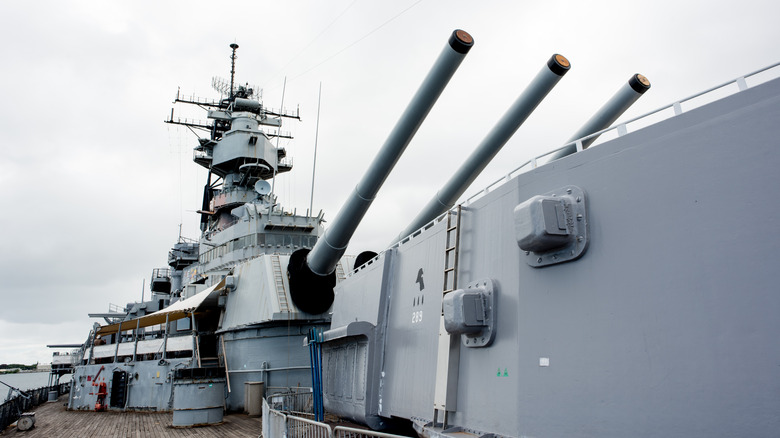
(505, 373)
(498, 374)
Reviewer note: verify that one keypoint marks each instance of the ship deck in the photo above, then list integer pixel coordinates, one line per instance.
(52, 419)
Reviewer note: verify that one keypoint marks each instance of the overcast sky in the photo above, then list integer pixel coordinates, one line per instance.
(95, 185)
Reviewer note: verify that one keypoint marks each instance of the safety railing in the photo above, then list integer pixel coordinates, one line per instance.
(349, 432)
(665, 112)
(652, 117)
(277, 424)
(298, 427)
(11, 409)
(274, 423)
(297, 401)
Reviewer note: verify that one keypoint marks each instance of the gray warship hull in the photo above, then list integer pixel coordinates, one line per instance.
(666, 325)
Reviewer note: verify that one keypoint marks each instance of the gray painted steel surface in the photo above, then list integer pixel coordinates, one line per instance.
(270, 354)
(353, 353)
(198, 401)
(149, 386)
(666, 326)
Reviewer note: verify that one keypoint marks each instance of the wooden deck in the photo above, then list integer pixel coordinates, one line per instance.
(53, 420)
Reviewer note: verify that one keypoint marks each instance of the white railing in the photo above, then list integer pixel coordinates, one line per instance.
(296, 401)
(298, 427)
(349, 432)
(622, 128)
(276, 424)
(619, 130)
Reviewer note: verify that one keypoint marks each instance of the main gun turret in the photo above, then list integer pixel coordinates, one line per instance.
(311, 273)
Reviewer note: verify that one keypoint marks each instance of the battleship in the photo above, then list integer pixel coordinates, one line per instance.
(617, 289)
(221, 313)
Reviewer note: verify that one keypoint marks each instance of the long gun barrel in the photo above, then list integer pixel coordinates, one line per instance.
(607, 114)
(311, 274)
(534, 93)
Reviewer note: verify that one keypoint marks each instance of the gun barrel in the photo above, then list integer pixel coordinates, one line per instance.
(323, 258)
(525, 104)
(329, 249)
(629, 93)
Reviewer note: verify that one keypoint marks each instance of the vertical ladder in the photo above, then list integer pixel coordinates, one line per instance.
(340, 275)
(279, 283)
(451, 242)
(448, 357)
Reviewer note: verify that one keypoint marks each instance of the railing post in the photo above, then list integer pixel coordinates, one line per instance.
(742, 84)
(118, 340)
(165, 340)
(92, 347)
(135, 339)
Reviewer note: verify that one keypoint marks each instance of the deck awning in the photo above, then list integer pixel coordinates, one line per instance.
(177, 310)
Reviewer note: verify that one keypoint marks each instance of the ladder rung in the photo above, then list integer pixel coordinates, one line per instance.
(449, 270)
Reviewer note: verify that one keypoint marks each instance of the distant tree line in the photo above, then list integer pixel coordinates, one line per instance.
(15, 367)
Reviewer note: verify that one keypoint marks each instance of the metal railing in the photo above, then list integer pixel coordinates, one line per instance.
(298, 427)
(161, 273)
(350, 432)
(298, 401)
(665, 112)
(642, 121)
(276, 424)
(115, 308)
(11, 410)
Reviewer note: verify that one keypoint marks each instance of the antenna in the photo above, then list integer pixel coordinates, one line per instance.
(233, 46)
(273, 180)
(316, 137)
(220, 85)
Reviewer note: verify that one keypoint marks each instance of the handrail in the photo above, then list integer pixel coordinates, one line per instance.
(621, 127)
(299, 427)
(11, 409)
(621, 130)
(351, 432)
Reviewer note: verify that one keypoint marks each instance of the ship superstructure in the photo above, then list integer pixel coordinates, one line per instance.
(221, 311)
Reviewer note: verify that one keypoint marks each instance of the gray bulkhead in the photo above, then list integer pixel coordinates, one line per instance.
(666, 326)
(360, 348)
(149, 384)
(262, 331)
(234, 143)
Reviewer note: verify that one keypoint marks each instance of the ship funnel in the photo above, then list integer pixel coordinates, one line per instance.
(534, 93)
(614, 108)
(311, 274)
